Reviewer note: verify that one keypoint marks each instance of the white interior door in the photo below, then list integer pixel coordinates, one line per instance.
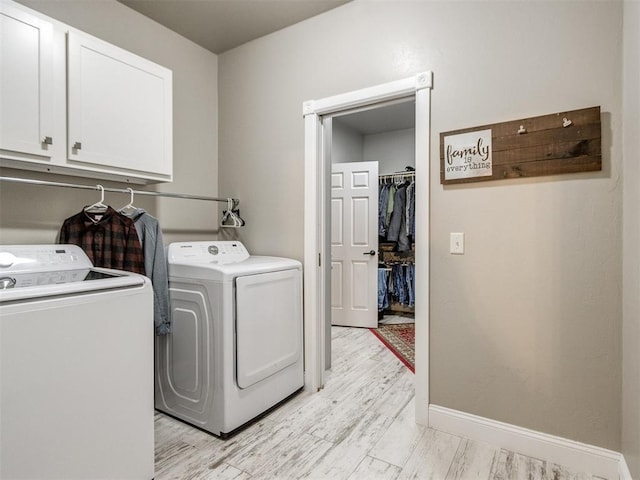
(354, 244)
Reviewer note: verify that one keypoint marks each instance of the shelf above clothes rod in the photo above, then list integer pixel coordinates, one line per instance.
(119, 190)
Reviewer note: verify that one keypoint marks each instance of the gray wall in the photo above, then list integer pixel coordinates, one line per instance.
(394, 150)
(525, 327)
(631, 240)
(195, 123)
(347, 144)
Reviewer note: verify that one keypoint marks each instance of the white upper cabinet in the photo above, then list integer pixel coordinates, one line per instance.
(26, 83)
(119, 108)
(74, 104)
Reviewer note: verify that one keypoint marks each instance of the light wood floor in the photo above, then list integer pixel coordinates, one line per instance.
(361, 426)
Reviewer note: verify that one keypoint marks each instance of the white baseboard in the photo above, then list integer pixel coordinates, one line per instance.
(569, 453)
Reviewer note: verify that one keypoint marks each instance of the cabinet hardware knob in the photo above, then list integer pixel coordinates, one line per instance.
(48, 140)
(77, 146)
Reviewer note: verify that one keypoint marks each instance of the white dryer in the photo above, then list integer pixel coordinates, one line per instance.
(235, 349)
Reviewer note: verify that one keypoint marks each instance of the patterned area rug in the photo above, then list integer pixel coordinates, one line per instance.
(400, 339)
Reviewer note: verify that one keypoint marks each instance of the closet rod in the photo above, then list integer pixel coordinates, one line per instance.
(117, 190)
(399, 174)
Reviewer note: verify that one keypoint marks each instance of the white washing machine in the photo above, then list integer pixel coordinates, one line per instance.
(235, 349)
(76, 367)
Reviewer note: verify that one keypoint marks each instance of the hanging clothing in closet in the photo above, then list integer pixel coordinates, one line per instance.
(403, 278)
(396, 229)
(386, 191)
(396, 284)
(109, 239)
(383, 288)
(397, 225)
(396, 213)
(410, 211)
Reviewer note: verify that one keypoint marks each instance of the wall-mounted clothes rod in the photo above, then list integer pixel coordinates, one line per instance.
(118, 190)
(231, 216)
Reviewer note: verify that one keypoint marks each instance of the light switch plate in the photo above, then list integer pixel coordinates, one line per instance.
(456, 244)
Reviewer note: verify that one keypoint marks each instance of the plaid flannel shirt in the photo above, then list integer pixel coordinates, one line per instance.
(109, 239)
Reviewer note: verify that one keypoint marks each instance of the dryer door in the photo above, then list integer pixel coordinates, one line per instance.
(268, 324)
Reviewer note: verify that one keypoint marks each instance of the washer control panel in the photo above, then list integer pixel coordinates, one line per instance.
(220, 252)
(35, 265)
(42, 258)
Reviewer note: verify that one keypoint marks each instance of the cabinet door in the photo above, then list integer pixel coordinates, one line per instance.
(119, 110)
(26, 83)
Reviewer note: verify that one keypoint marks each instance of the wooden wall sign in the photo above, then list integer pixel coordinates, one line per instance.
(565, 142)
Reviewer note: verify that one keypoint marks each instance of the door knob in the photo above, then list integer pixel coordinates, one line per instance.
(371, 252)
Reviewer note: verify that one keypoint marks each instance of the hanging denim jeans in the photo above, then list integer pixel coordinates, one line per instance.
(410, 279)
(383, 291)
(400, 285)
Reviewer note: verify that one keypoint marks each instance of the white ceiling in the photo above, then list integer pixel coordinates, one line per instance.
(397, 116)
(220, 25)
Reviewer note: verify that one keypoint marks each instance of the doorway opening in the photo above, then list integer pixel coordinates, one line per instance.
(372, 221)
(317, 224)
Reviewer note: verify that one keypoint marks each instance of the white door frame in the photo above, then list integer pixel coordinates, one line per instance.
(316, 229)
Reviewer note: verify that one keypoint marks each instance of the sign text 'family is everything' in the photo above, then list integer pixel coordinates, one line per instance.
(468, 155)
